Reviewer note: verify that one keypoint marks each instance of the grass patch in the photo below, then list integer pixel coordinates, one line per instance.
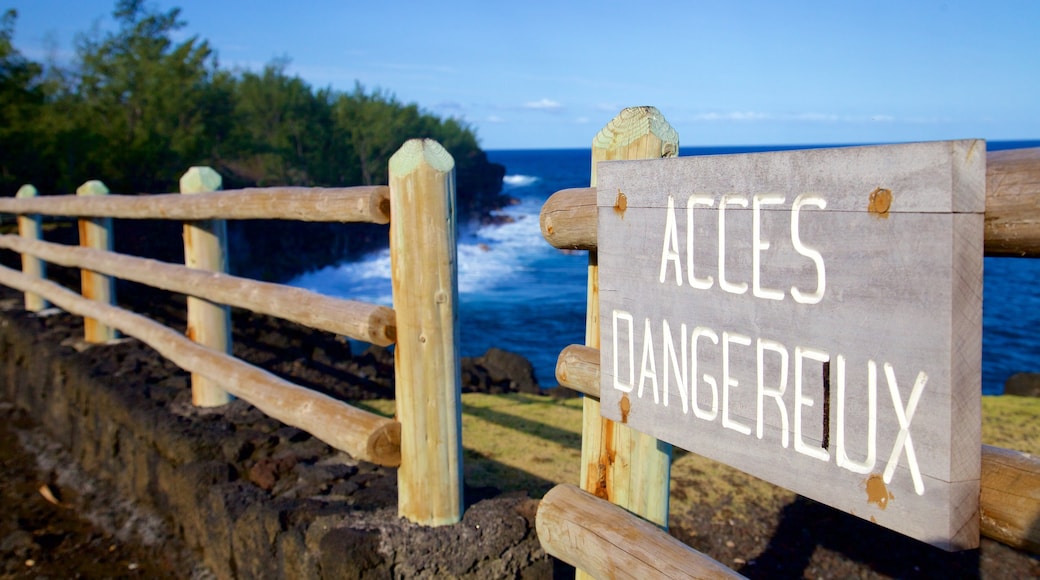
(527, 442)
(515, 442)
(1012, 422)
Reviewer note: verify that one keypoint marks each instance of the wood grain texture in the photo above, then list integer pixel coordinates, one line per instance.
(205, 248)
(29, 229)
(578, 368)
(310, 204)
(1011, 497)
(619, 464)
(1009, 503)
(424, 272)
(606, 541)
(723, 279)
(96, 233)
(362, 434)
(1013, 203)
(359, 320)
(1012, 224)
(568, 219)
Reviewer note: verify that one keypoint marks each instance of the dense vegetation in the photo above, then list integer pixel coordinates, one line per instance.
(136, 109)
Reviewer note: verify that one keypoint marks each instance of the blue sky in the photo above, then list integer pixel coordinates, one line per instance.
(541, 74)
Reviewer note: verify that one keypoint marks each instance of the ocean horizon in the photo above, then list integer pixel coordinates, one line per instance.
(518, 293)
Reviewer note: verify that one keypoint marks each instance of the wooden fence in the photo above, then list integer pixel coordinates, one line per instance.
(424, 440)
(623, 468)
(612, 525)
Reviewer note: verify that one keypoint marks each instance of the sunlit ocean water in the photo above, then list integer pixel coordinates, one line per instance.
(518, 293)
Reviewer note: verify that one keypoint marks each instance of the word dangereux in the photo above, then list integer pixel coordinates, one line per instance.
(681, 365)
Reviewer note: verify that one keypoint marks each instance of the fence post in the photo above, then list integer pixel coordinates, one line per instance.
(425, 291)
(618, 463)
(96, 233)
(29, 228)
(205, 248)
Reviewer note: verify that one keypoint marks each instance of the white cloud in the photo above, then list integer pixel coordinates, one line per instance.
(817, 117)
(494, 119)
(543, 105)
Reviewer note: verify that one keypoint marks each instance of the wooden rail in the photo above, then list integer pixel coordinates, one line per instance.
(428, 447)
(360, 433)
(1010, 481)
(597, 536)
(578, 369)
(1012, 223)
(1010, 501)
(344, 204)
(358, 320)
(1010, 498)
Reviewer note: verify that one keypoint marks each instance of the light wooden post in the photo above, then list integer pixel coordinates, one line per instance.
(96, 233)
(205, 248)
(618, 463)
(425, 290)
(29, 228)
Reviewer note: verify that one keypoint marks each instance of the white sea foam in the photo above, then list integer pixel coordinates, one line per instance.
(512, 181)
(492, 256)
(367, 279)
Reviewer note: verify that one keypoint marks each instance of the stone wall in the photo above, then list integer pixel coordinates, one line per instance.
(252, 497)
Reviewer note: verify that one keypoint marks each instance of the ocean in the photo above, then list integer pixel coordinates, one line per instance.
(520, 294)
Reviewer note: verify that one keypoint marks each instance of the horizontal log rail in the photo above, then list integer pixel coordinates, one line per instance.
(422, 186)
(1010, 499)
(358, 320)
(1012, 221)
(578, 369)
(343, 204)
(362, 434)
(606, 541)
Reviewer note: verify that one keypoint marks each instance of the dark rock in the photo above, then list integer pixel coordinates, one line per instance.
(19, 543)
(266, 472)
(506, 372)
(365, 560)
(1023, 385)
(475, 379)
(250, 496)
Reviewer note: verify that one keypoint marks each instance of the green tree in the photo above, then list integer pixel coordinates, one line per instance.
(144, 99)
(280, 131)
(21, 102)
(137, 109)
(375, 124)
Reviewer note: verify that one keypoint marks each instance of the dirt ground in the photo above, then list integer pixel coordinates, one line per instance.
(56, 522)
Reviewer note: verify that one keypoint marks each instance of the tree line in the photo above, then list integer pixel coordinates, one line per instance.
(136, 109)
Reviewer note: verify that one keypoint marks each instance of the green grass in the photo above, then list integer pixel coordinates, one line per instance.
(1012, 422)
(516, 442)
(530, 443)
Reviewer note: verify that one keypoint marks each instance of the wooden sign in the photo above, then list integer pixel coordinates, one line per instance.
(813, 318)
